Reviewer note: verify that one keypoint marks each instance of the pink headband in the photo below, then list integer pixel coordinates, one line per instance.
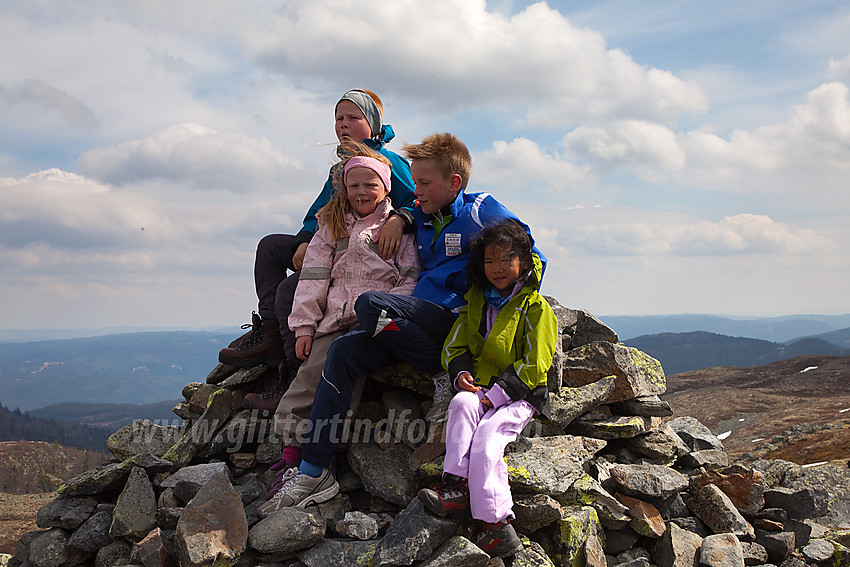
(379, 167)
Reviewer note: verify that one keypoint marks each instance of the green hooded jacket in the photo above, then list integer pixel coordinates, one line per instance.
(517, 354)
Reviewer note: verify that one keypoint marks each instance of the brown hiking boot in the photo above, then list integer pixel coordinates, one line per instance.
(262, 346)
(450, 499)
(255, 322)
(498, 540)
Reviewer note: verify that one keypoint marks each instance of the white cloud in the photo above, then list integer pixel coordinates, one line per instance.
(455, 53)
(45, 97)
(522, 163)
(198, 157)
(631, 142)
(840, 67)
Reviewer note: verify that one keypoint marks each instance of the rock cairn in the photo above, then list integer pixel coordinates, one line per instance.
(613, 479)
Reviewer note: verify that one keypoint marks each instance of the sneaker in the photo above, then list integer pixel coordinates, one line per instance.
(498, 540)
(451, 499)
(263, 345)
(282, 477)
(301, 490)
(267, 401)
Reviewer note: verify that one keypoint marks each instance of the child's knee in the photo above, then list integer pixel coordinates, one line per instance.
(464, 401)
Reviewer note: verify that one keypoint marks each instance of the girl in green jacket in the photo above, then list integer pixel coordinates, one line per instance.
(498, 354)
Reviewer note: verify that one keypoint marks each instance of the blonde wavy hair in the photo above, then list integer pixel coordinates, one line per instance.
(334, 214)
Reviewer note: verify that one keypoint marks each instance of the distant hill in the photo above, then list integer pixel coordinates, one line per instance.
(18, 426)
(774, 329)
(114, 416)
(139, 368)
(681, 352)
(28, 467)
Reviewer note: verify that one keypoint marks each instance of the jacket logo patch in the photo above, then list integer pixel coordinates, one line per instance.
(453, 244)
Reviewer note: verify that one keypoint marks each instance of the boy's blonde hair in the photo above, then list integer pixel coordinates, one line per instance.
(450, 154)
(334, 213)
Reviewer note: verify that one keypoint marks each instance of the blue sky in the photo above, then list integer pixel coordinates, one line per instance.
(670, 157)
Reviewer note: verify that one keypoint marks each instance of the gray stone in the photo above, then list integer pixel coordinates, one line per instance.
(616, 427)
(648, 481)
(457, 552)
(645, 517)
(135, 512)
(167, 499)
(102, 480)
(167, 518)
(714, 508)
(707, 458)
(405, 376)
(245, 376)
(565, 539)
(618, 541)
(116, 553)
(534, 512)
(250, 488)
(215, 415)
(414, 536)
(633, 554)
(586, 491)
(693, 525)
(659, 444)
(754, 553)
(677, 548)
(647, 406)
(819, 550)
(594, 556)
(800, 503)
(242, 429)
(213, 527)
(581, 327)
(390, 473)
(66, 512)
(721, 550)
(572, 402)
(637, 374)
(220, 372)
(695, 435)
(93, 533)
(142, 437)
(339, 552)
(779, 545)
(187, 481)
(50, 549)
(357, 525)
(286, 531)
(671, 507)
(550, 465)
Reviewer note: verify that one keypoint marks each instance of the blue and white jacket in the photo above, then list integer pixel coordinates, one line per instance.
(444, 256)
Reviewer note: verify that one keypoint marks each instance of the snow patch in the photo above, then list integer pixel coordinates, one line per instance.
(844, 410)
(742, 419)
(757, 440)
(724, 435)
(815, 464)
(807, 368)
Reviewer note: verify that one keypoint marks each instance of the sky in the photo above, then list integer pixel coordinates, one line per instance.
(689, 157)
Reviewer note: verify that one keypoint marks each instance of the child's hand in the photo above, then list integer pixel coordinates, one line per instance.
(303, 344)
(486, 401)
(298, 257)
(389, 237)
(465, 382)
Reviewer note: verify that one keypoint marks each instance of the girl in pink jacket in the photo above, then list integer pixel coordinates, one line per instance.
(341, 262)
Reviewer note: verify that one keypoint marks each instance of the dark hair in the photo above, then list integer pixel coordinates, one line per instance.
(508, 233)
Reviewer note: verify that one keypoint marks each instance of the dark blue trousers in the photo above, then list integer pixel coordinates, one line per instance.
(391, 328)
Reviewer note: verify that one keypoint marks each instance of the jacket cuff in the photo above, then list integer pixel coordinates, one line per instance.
(304, 331)
(498, 396)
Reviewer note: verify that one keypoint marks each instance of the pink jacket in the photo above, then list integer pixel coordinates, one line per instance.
(335, 273)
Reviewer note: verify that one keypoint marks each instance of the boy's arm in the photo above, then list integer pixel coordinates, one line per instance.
(407, 263)
(311, 295)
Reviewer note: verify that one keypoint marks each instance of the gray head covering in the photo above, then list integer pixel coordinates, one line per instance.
(367, 106)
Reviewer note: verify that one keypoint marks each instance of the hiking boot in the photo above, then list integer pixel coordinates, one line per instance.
(255, 322)
(262, 346)
(301, 490)
(267, 401)
(499, 539)
(451, 499)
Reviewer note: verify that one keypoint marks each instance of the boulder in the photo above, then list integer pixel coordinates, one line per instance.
(637, 374)
(339, 552)
(677, 548)
(389, 474)
(615, 427)
(647, 406)
(534, 512)
(802, 503)
(286, 531)
(457, 552)
(154, 551)
(744, 486)
(67, 512)
(714, 508)
(186, 482)
(135, 512)
(695, 435)
(94, 532)
(414, 536)
(648, 481)
(645, 517)
(721, 550)
(50, 549)
(549, 465)
(215, 415)
(572, 402)
(142, 437)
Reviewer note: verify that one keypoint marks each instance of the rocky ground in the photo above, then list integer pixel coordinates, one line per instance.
(614, 479)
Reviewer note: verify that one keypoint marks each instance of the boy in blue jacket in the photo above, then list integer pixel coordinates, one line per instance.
(390, 327)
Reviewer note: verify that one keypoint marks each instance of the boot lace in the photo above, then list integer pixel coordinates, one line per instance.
(256, 336)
